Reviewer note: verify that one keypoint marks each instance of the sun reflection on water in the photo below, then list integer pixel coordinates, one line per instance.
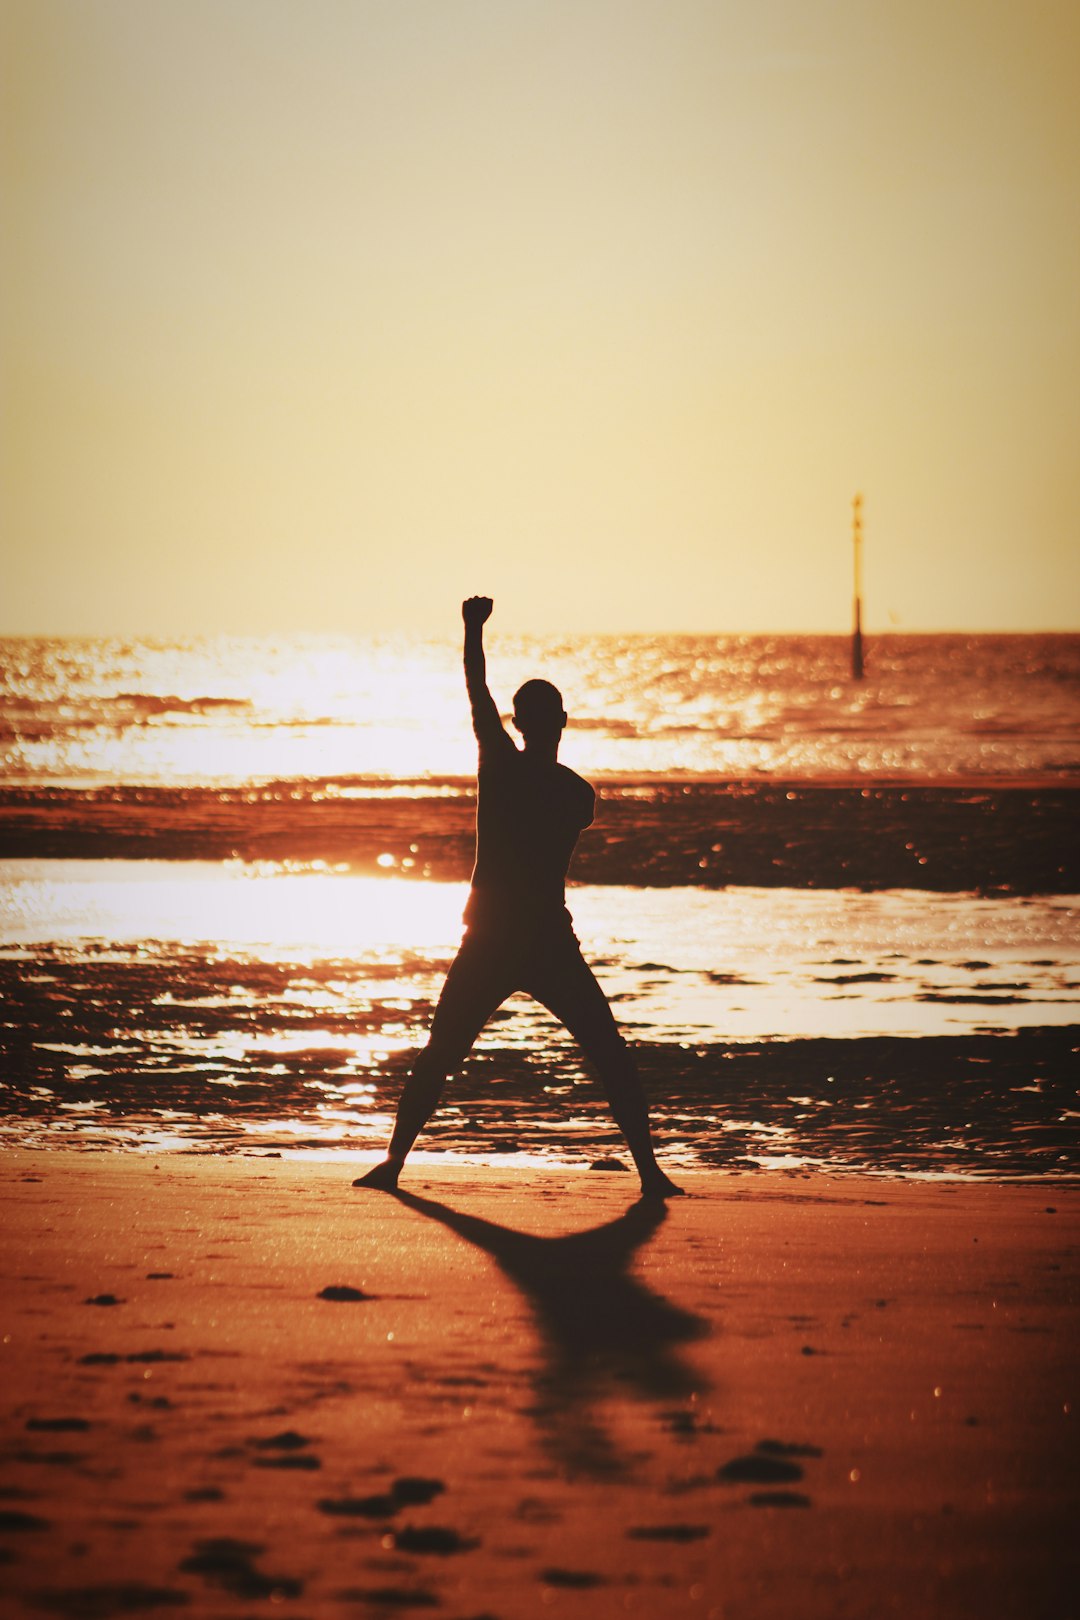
(243, 710)
(273, 1009)
(298, 911)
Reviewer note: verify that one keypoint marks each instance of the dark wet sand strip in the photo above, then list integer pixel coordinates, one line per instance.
(983, 834)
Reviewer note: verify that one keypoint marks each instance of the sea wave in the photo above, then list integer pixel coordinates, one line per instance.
(147, 705)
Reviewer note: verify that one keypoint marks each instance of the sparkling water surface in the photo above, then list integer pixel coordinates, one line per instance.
(217, 1007)
(236, 710)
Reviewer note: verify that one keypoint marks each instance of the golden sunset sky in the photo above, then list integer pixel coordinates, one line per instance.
(324, 313)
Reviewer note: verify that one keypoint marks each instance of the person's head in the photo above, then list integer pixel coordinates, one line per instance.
(538, 712)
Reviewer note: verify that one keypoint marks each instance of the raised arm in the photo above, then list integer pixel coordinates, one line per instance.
(475, 611)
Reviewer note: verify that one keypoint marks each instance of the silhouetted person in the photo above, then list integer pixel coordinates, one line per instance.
(519, 934)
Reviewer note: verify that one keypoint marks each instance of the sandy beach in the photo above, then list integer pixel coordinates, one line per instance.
(235, 1385)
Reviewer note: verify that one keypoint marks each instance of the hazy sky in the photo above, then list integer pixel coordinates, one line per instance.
(328, 312)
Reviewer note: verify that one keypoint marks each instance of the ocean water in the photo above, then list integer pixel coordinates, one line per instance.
(231, 711)
(817, 970)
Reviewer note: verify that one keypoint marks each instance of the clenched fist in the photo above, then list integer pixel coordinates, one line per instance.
(476, 609)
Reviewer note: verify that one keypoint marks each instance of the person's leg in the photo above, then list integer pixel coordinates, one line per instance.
(564, 983)
(477, 982)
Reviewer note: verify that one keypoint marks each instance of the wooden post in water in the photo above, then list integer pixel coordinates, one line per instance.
(856, 634)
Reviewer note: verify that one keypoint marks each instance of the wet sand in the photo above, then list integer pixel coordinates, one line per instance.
(162, 1006)
(233, 1385)
(984, 835)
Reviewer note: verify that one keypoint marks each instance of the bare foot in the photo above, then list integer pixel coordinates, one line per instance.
(383, 1178)
(657, 1185)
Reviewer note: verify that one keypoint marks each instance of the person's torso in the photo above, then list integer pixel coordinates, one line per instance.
(528, 817)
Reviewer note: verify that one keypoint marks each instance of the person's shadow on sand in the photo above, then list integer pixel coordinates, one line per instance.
(603, 1331)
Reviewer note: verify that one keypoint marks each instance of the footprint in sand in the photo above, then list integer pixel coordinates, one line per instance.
(432, 1539)
(572, 1579)
(414, 1491)
(231, 1565)
(758, 1470)
(14, 1522)
(287, 1440)
(358, 1507)
(109, 1358)
(409, 1491)
(287, 1451)
(770, 1464)
(669, 1532)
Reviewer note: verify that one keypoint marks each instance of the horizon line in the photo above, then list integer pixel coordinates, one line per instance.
(503, 631)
